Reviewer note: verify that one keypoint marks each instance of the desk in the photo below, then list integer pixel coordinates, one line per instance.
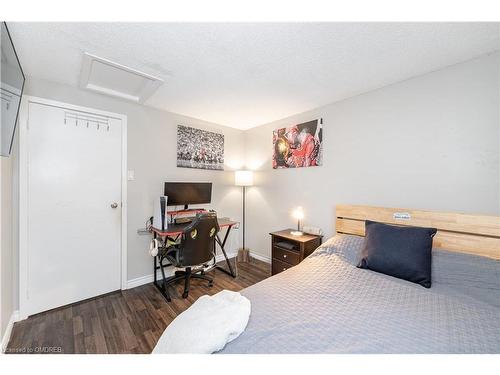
(173, 231)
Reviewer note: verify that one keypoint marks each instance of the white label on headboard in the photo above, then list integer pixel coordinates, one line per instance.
(401, 216)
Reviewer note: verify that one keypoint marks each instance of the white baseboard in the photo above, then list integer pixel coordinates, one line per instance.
(261, 257)
(133, 283)
(6, 336)
(138, 281)
(220, 257)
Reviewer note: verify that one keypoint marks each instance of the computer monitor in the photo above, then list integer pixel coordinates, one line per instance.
(185, 193)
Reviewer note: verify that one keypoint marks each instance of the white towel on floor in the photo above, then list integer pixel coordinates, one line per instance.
(207, 326)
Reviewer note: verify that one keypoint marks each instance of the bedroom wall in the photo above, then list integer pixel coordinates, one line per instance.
(152, 139)
(431, 142)
(7, 288)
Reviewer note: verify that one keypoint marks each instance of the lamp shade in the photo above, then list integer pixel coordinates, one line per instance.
(243, 178)
(298, 213)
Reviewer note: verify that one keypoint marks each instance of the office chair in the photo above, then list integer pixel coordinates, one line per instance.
(196, 248)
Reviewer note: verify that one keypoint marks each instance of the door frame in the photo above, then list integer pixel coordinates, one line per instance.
(23, 191)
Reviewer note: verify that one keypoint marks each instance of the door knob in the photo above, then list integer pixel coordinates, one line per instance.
(114, 205)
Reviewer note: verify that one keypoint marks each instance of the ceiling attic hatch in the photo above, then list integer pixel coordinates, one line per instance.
(109, 78)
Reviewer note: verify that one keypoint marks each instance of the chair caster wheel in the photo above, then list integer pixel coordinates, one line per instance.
(210, 284)
(185, 295)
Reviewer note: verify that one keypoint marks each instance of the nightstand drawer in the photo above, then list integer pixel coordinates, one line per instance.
(288, 249)
(279, 266)
(287, 256)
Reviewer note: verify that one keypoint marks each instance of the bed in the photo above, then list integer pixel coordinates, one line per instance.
(328, 305)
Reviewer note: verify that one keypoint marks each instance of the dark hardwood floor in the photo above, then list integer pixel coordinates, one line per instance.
(129, 321)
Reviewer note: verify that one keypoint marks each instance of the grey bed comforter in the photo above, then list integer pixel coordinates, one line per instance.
(328, 305)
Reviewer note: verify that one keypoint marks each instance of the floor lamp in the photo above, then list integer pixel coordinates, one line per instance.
(243, 179)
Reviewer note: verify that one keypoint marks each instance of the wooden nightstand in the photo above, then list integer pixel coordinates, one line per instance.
(289, 250)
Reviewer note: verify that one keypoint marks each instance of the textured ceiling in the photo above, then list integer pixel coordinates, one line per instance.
(243, 74)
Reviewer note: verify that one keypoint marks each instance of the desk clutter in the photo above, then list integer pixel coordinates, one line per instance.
(186, 238)
(184, 194)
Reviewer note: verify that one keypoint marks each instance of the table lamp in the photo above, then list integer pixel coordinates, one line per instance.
(298, 214)
(243, 179)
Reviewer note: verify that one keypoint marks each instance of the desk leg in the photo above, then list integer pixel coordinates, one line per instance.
(222, 243)
(157, 266)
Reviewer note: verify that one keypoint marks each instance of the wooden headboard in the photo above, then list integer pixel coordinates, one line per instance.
(471, 234)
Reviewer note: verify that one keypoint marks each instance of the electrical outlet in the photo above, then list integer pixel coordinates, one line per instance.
(312, 230)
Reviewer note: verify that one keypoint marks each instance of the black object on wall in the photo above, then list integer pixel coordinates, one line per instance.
(11, 89)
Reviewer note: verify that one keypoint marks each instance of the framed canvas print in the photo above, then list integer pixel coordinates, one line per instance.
(298, 146)
(197, 148)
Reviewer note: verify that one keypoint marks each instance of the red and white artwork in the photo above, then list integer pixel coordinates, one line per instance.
(298, 146)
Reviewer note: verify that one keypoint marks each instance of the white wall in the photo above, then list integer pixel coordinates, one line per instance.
(431, 142)
(7, 288)
(152, 139)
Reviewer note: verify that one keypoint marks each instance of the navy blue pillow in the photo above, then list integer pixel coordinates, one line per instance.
(399, 251)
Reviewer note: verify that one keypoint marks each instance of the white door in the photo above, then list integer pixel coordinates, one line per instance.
(74, 206)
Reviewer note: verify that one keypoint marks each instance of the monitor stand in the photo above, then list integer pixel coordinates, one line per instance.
(184, 220)
(186, 208)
